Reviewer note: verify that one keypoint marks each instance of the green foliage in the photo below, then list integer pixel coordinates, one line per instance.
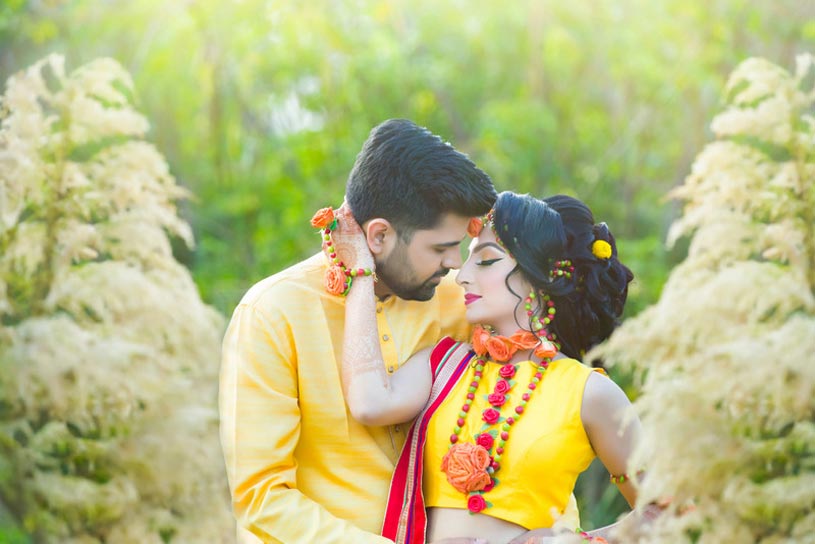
(261, 107)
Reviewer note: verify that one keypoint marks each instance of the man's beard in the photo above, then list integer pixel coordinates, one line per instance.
(397, 273)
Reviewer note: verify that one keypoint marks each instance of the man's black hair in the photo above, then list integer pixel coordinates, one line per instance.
(411, 177)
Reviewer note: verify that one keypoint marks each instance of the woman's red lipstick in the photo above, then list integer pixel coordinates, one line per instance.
(470, 298)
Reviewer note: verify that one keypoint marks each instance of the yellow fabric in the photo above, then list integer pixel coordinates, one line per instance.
(546, 450)
(301, 469)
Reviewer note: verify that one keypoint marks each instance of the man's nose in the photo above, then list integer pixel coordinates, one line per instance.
(452, 259)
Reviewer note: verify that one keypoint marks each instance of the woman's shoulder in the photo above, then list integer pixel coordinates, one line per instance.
(570, 373)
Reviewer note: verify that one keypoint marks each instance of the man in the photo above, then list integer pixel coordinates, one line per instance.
(301, 469)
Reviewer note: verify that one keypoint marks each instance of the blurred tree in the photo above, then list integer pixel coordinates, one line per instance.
(108, 426)
(728, 400)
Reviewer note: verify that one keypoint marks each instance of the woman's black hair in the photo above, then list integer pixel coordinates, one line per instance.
(537, 233)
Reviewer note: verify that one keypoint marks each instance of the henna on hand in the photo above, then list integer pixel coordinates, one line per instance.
(350, 242)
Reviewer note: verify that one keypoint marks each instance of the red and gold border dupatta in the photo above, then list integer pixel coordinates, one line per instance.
(405, 515)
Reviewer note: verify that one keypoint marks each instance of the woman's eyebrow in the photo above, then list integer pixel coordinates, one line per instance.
(479, 247)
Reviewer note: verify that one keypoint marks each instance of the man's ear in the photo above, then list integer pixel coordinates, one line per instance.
(381, 236)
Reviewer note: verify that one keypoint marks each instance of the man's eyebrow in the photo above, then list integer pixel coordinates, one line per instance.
(479, 247)
(450, 244)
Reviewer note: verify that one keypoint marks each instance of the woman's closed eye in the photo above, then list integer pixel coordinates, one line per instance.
(487, 262)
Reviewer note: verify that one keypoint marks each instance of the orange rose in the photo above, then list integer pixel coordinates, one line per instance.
(546, 350)
(335, 280)
(500, 348)
(322, 218)
(524, 340)
(480, 337)
(466, 467)
(475, 226)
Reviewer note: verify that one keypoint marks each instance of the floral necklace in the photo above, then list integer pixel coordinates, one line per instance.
(471, 467)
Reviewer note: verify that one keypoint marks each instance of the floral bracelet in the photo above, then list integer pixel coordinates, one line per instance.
(338, 278)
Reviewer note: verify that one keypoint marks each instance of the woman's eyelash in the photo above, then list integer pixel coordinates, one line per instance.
(487, 262)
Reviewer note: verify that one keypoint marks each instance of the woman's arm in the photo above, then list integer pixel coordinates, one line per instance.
(613, 437)
(374, 397)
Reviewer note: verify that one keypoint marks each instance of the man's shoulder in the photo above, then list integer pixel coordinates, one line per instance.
(291, 286)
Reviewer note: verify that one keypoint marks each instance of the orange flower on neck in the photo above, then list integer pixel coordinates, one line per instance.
(524, 339)
(480, 337)
(500, 348)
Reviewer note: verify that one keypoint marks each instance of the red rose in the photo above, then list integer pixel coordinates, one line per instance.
(507, 371)
(476, 503)
(485, 440)
(489, 486)
(502, 386)
(497, 399)
(491, 415)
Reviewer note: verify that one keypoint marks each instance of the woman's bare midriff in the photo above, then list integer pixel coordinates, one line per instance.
(458, 522)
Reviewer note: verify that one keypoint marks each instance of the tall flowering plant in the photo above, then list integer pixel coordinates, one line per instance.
(108, 420)
(728, 399)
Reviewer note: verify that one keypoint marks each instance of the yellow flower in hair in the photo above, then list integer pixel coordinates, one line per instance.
(601, 249)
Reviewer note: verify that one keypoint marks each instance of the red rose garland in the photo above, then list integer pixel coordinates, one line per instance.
(490, 441)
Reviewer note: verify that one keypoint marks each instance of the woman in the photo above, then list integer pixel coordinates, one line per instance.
(508, 421)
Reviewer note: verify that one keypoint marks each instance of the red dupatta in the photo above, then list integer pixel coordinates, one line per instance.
(405, 515)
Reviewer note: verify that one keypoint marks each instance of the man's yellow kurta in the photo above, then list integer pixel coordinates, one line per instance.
(301, 469)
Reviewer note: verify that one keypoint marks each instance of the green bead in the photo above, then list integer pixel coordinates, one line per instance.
(532, 295)
(523, 403)
(479, 368)
(471, 389)
(456, 429)
(462, 414)
(505, 426)
(535, 380)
